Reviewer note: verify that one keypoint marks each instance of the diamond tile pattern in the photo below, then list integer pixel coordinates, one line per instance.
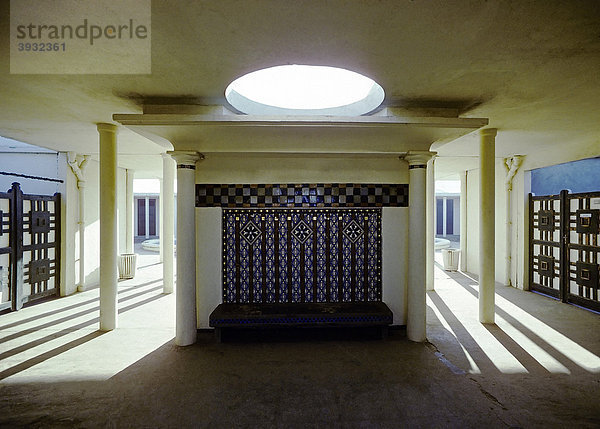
(250, 232)
(302, 232)
(353, 231)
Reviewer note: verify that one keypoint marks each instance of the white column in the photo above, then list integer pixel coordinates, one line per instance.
(108, 226)
(185, 299)
(463, 221)
(487, 241)
(167, 222)
(161, 209)
(129, 212)
(416, 297)
(430, 247)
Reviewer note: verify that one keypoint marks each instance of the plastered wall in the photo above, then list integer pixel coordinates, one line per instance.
(47, 165)
(308, 169)
(456, 219)
(92, 225)
(70, 243)
(473, 221)
(520, 236)
(69, 213)
(253, 168)
(121, 209)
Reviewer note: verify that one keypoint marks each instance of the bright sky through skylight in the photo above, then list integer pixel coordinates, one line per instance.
(303, 87)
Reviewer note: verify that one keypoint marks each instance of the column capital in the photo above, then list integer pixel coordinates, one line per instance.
(186, 158)
(491, 132)
(103, 126)
(418, 158)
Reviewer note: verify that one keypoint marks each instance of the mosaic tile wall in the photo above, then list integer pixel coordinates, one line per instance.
(301, 255)
(301, 195)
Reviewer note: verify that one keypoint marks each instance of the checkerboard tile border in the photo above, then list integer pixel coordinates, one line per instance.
(301, 195)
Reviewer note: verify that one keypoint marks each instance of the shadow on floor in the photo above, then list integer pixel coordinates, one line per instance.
(469, 376)
(294, 335)
(538, 334)
(252, 384)
(26, 340)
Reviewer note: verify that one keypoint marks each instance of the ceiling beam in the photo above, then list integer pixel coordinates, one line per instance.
(298, 121)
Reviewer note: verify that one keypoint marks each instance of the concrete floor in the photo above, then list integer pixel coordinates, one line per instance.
(537, 367)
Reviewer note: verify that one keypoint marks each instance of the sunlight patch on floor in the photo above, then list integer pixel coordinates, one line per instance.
(60, 341)
(474, 369)
(529, 346)
(569, 348)
(500, 357)
(517, 343)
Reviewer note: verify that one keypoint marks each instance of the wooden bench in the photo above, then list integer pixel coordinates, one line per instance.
(301, 315)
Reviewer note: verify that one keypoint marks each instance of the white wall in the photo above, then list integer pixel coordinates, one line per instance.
(122, 209)
(70, 260)
(92, 224)
(296, 169)
(395, 246)
(473, 221)
(209, 272)
(69, 215)
(520, 234)
(33, 164)
(456, 219)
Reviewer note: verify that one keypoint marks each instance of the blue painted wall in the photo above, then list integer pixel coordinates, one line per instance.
(576, 176)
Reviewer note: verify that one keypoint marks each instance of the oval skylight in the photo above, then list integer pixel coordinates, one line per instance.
(304, 90)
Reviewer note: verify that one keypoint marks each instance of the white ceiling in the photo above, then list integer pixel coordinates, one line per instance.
(531, 67)
(13, 146)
